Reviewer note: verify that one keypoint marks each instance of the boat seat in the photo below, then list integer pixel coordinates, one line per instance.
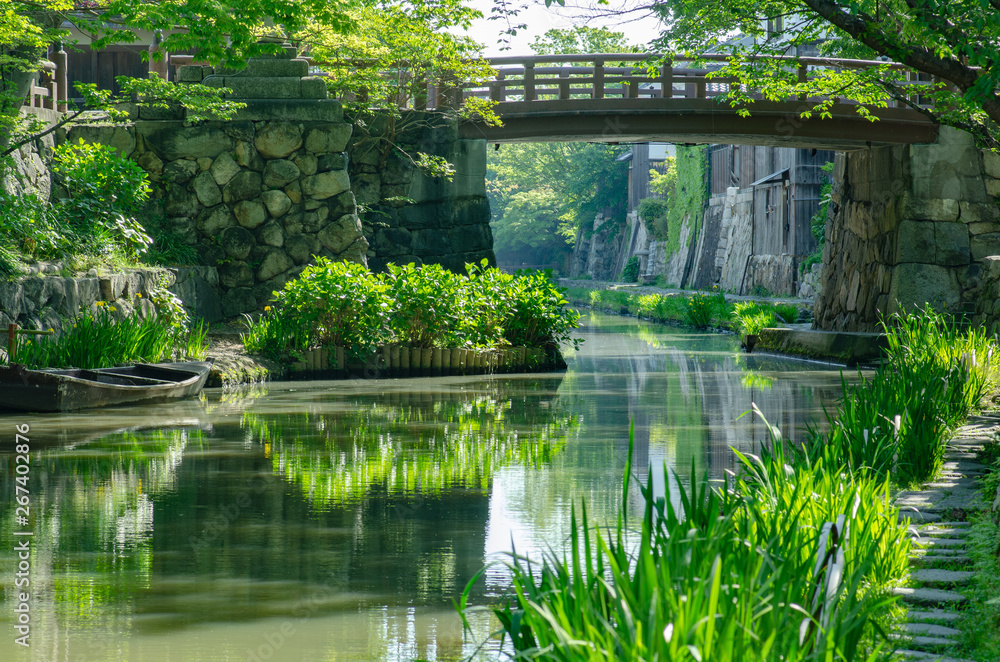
(120, 379)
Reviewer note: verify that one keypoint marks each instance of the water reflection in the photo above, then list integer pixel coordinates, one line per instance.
(337, 520)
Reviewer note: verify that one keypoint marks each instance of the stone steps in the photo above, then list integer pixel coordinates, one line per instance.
(918, 616)
(936, 560)
(938, 546)
(929, 597)
(934, 577)
(923, 656)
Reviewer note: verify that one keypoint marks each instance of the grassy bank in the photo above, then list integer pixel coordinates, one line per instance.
(700, 311)
(793, 559)
(103, 337)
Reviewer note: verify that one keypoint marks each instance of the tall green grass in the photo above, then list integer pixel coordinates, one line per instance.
(101, 340)
(754, 571)
(898, 421)
(741, 573)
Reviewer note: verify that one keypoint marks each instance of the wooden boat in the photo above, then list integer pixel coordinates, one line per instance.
(65, 390)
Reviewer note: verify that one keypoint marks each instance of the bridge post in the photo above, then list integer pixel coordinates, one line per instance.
(563, 84)
(598, 79)
(61, 78)
(803, 78)
(667, 80)
(498, 90)
(529, 81)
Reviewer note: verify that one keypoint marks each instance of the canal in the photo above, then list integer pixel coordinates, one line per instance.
(338, 520)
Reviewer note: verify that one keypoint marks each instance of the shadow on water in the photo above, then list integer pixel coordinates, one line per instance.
(353, 512)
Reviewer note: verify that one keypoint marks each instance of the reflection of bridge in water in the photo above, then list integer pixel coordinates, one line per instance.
(633, 98)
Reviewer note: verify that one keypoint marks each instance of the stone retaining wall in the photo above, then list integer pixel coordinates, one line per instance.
(909, 225)
(413, 217)
(29, 173)
(44, 300)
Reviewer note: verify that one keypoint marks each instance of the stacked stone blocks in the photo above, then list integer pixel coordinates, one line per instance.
(412, 216)
(257, 196)
(908, 226)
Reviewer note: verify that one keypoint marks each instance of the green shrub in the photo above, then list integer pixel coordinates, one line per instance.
(423, 304)
(486, 304)
(538, 315)
(630, 274)
(105, 194)
(337, 303)
(698, 311)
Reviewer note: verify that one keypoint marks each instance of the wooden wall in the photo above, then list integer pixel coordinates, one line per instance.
(786, 184)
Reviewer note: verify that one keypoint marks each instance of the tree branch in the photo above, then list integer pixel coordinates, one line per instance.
(35, 136)
(918, 57)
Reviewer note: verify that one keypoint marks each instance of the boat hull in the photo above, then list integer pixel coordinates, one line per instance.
(22, 389)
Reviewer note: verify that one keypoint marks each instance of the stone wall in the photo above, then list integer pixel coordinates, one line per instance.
(735, 242)
(599, 254)
(44, 298)
(908, 226)
(29, 173)
(413, 217)
(257, 196)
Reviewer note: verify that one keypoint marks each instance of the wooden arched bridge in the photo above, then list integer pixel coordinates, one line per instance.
(624, 98)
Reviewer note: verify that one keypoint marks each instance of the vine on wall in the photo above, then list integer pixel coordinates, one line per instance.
(690, 196)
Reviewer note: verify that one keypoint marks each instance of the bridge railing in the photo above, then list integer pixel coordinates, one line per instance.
(618, 76)
(636, 76)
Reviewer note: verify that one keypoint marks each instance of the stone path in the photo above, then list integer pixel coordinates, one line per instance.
(940, 566)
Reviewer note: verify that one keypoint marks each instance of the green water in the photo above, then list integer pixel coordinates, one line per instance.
(337, 520)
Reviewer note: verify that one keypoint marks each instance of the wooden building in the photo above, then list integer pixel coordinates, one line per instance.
(786, 190)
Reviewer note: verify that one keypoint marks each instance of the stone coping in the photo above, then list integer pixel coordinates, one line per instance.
(849, 348)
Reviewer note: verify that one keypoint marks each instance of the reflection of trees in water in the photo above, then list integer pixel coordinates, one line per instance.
(407, 444)
(686, 398)
(92, 511)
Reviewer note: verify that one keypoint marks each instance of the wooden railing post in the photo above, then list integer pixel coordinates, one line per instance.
(598, 79)
(157, 66)
(498, 89)
(563, 84)
(529, 81)
(667, 80)
(803, 78)
(633, 88)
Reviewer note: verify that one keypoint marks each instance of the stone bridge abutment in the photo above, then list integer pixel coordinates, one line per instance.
(909, 225)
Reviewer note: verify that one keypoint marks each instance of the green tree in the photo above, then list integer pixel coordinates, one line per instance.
(572, 182)
(583, 39)
(529, 230)
(957, 42)
(580, 179)
(222, 32)
(395, 48)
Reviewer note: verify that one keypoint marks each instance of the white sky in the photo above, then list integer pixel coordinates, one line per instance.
(638, 28)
